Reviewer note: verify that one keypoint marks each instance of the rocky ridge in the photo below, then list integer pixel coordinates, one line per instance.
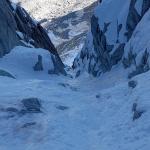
(111, 38)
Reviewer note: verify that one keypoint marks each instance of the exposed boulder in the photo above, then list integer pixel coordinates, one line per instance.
(132, 84)
(31, 105)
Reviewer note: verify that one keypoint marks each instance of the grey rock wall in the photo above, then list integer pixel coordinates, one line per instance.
(100, 57)
(8, 27)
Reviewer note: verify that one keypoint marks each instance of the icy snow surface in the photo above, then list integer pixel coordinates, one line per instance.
(98, 115)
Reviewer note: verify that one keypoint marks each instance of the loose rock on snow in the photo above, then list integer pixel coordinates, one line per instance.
(31, 105)
(132, 84)
(136, 112)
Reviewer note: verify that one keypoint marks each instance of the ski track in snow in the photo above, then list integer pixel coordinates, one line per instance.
(89, 123)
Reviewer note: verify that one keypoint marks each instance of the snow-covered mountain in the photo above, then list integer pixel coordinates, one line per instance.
(49, 9)
(67, 22)
(119, 35)
(41, 111)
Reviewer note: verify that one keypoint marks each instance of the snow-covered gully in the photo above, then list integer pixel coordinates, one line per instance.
(100, 103)
(85, 113)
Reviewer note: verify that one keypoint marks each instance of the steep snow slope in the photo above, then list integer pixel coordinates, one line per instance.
(67, 21)
(85, 113)
(110, 36)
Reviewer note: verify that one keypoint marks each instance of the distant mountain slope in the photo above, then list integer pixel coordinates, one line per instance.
(113, 37)
(49, 9)
(67, 21)
(70, 31)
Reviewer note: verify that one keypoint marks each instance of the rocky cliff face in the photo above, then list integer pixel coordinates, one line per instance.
(18, 28)
(8, 27)
(111, 32)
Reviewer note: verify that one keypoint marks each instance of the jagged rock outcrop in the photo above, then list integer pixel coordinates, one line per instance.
(39, 65)
(111, 31)
(18, 28)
